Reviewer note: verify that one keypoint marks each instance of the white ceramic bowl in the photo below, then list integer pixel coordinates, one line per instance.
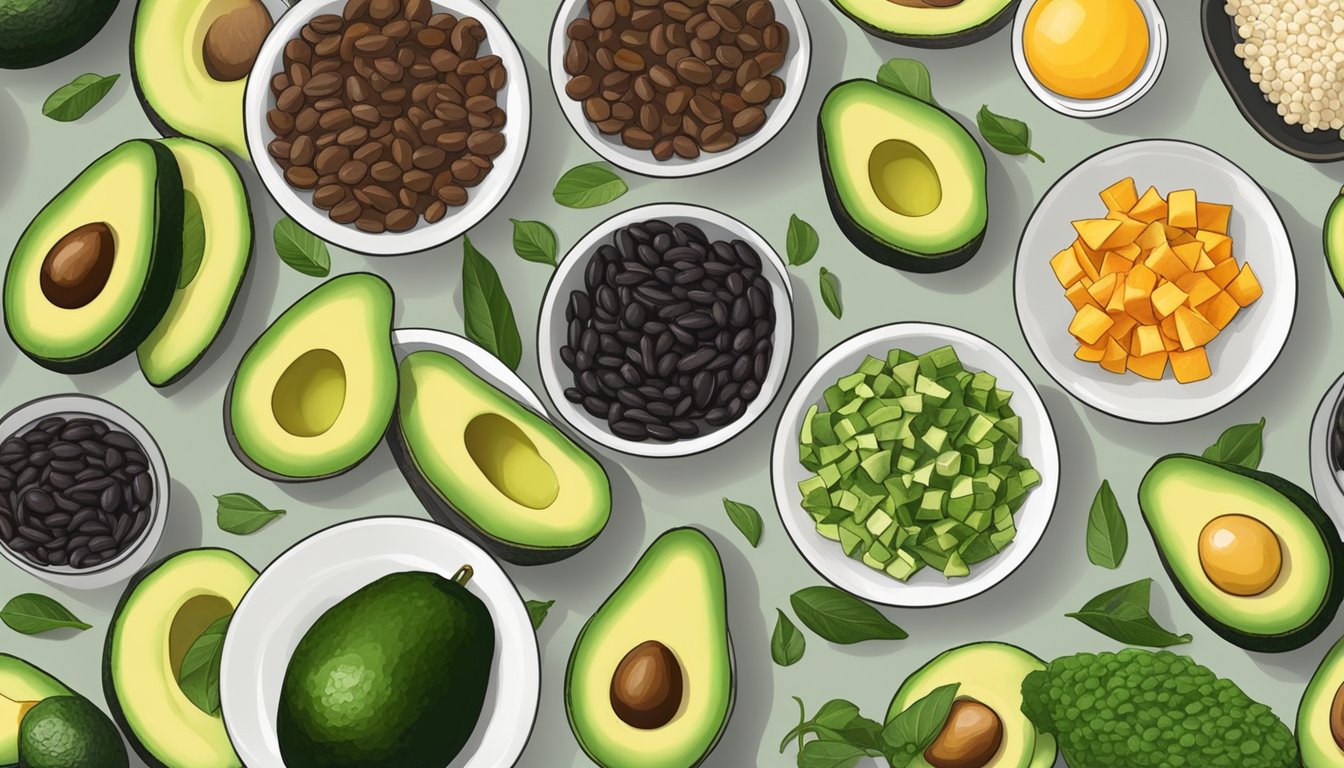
(568, 277)
(138, 554)
(1089, 108)
(1327, 479)
(515, 99)
(469, 353)
(325, 568)
(928, 587)
(798, 61)
(1240, 355)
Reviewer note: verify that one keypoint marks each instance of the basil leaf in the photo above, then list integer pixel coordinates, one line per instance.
(787, 643)
(830, 292)
(1122, 615)
(842, 618)
(1009, 136)
(746, 518)
(1243, 445)
(193, 240)
(74, 99)
(489, 315)
(863, 733)
(301, 249)
(921, 722)
(588, 186)
(907, 76)
(241, 514)
(829, 754)
(31, 614)
(535, 241)
(537, 610)
(834, 715)
(199, 678)
(1107, 534)
(801, 243)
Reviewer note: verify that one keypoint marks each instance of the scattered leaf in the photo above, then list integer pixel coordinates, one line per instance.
(535, 241)
(74, 99)
(301, 249)
(802, 242)
(1243, 445)
(1122, 615)
(199, 677)
(241, 514)
(193, 240)
(1009, 136)
(787, 643)
(1107, 534)
(830, 292)
(32, 614)
(842, 618)
(489, 315)
(919, 724)
(588, 186)
(537, 610)
(907, 76)
(746, 518)
(829, 754)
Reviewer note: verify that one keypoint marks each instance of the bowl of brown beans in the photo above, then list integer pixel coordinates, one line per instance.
(83, 491)
(679, 87)
(388, 126)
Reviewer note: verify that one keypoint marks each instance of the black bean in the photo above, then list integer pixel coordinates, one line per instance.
(695, 360)
(573, 395)
(595, 406)
(40, 458)
(6, 528)
(702, 388)
(76, 431)
(631, 398)
(39, 501)
(35, 534)
(631, 374)
(761, 366)
(672, 311)
(758, 302)
(720, 362)
(629, 430)
(588, 383)
(50, 424)
(630, 279)
(67, 465)
(750, 390)
(20, 544)
(727, 393)
(83, 517)
(651, 257)
(143, 487)
(139, 524)
(122, 528)
(667, 364)
(658, 296)
(740, 314)
(102, 543)
(717, 417)
(741, 370)
(695, 321)
(57, 520)
(567, 357)
(626, 337)
(611, 380)
(685, 427)
(611, 362)
(26, 477)
(132, 468)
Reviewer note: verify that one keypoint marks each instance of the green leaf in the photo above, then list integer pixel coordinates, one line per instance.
(193, 240)
(241, 514)
(1009, 136)
(31, 614)
(829, 754)
(199, 678)
(1107, 534)
(801, 243)
(834, 715)
(787, 643)
(1243, 445)
(920, 723)
(537, 610)
(830, 292)
(842, 618)
(535, 241)
(588, 186)
(489, 315)
(907, 76)
(74, 99)
(1122, 615)
(301, 249)
(746, 518)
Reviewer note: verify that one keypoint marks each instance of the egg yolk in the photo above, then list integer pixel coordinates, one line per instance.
(1086, 49)
(1240, 555)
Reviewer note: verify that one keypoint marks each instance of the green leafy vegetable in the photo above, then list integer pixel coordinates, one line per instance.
(301, 249)
(802, 242)
(31, 614)
(830, 292)
(489, 314)
(193, 240)
(1107, 534)
(535, 241)
(746, 518)
(1122, 615)
(787, 643)
(588, 186)
(537, 610)
(1243, 445)
(833, 717)
(241, 514)
(842, 618)
(838, 725)
(908, 76)
(199, 678)
(74, 99)
(1009, 136)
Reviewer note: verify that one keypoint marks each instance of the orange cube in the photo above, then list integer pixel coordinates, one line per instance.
(1218, 246)
(1193, 329)
(1149, 208)
(1089, 324)
(1113, 263)
(1120, 196)
(1181, 210)
(1065, 265)
(1220, 310)
(1088, 259)
(1190, 365)
(1199, 287)
(1116, 358)
(1223, 272)
(1152, 366)
(1147, 340)
(1164, 261)
(1102, 289)
(1090, 354)
(1189, 254)
(1094, 232)
(1245, 289)
(1078, 295)
(1213, 216)
(1167, 298)
(1152, 237)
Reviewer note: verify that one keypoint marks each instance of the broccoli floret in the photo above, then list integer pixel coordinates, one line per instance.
(1141, 709)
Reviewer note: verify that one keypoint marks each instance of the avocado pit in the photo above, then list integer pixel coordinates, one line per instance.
(1240, 555)
(970, 738)
(78, 266)
(904, 178)
(647, 687)
(233, 41)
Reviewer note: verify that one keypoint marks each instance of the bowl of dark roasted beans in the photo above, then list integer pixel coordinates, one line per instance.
(83, 491)
(666, 331)
(388, 126)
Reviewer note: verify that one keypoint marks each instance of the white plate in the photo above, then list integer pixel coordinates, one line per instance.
(323, 569)
(469, 353)
(515, 99)
(928, 587)
(797, 62)
(1326, 480)
(552, 328)
(1090, 108)
(1240, 355)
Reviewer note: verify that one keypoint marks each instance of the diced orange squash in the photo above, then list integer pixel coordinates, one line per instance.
(1123, 327)
(1152, 366)
(1150, 207)
(1120, 196)
(1139, 285)
(1192, 329)
(1151, 237)
(1168, 328)
(1199, 288)
(1218, 246)
(1088, 259)
(1147, 340)
(1079, 295)
(1205, 263)
(1164, 261)
(1190, 365)
(1189, 253)
(1167, 298)
(1065, 265)
(1116, 306)
(1116, 357)
(1124, 234)
(1223, 273)
(1102, 289)
(1181, 210)
(1128, 252)
(1180, 237)
(1091, 354)
(1220, 310)
(1089, 324)
(1094, 232)
(1113, 263)
(1213, 216)
(1245, 289)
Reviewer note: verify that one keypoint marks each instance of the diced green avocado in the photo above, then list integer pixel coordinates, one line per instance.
(37, 33)
(69, 732)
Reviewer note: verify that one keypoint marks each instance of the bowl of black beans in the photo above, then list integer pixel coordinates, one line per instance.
(83, 491)
(666, 331)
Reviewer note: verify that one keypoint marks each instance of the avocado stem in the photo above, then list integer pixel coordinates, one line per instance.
(464, 575)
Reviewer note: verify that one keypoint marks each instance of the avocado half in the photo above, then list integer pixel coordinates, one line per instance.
(37, 33)
(1181, 494)
(95, 271)
(22, 685)
(1320, 734)
(912, 22)
(162, 612)
(905, 181)
(674, 598)
(491, 469)
(1333, 232)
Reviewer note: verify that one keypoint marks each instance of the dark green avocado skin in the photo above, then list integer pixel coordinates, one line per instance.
(1333, 544)
(967, 36)
(421, 648)
(37, 32)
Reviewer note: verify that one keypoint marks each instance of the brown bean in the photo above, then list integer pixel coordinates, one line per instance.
(435, 211)
(629, 60)
(385, 171)
(329, 196)
(331, 160)
(757, 91)
(301, 177)
(352, 172)
(301, 151)
(401, 220)
(417, 11)
(417, 180)
(371, 152)
(371, 222)
(466, 37)
(346, 212)
(486, 143)
(357, 89)
(452, 194)
(577, 57)
(760, 13)
(382, 10)
(580, 88)
(637, 138)
(748, 121)
(452, 141)
(428, 158)
(355, 9)
(352, 136)
(694, 71)
(281, 122)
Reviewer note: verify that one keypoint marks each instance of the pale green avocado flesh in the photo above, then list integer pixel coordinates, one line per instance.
(1334, 241)
(922, 24)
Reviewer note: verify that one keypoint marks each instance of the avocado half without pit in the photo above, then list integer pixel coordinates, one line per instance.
(905, 181)
(929, 23)
(1320, 716)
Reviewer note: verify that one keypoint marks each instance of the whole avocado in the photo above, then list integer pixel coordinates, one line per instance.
(69, 732)
(37, 32)
(394, 674)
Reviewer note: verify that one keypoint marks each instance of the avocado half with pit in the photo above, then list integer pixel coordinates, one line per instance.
(1334, 240)
(1320, 716)
(37, 33)
(930, 23)
(986, 727)
(190, 61)
(163, 611)
(905, 181)
(650, 680)
(22, 686)
(95, 271)
(1253, 555)
(490, 468)
(314, 394)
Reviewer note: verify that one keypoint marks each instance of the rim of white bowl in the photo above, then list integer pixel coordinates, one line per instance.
(469, 353)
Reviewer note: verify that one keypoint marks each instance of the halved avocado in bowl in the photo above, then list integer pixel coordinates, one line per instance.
(930, 23)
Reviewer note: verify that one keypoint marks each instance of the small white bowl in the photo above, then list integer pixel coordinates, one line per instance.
(515, 99)
(1090, 108)
(928, 587)
(797, 62)
(125, 565)
(1241, 354)
(568, 277)
(1327, 479)
(469, 353)
(325, 568)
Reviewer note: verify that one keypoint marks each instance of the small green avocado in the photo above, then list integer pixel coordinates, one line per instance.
(1320, 716)
(986, 728)
(1253, 555)
(930, 23)
(37, 33)
(1334, 240)
(22, 686)
(69, 732)
(395, 674)
(905, 181)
